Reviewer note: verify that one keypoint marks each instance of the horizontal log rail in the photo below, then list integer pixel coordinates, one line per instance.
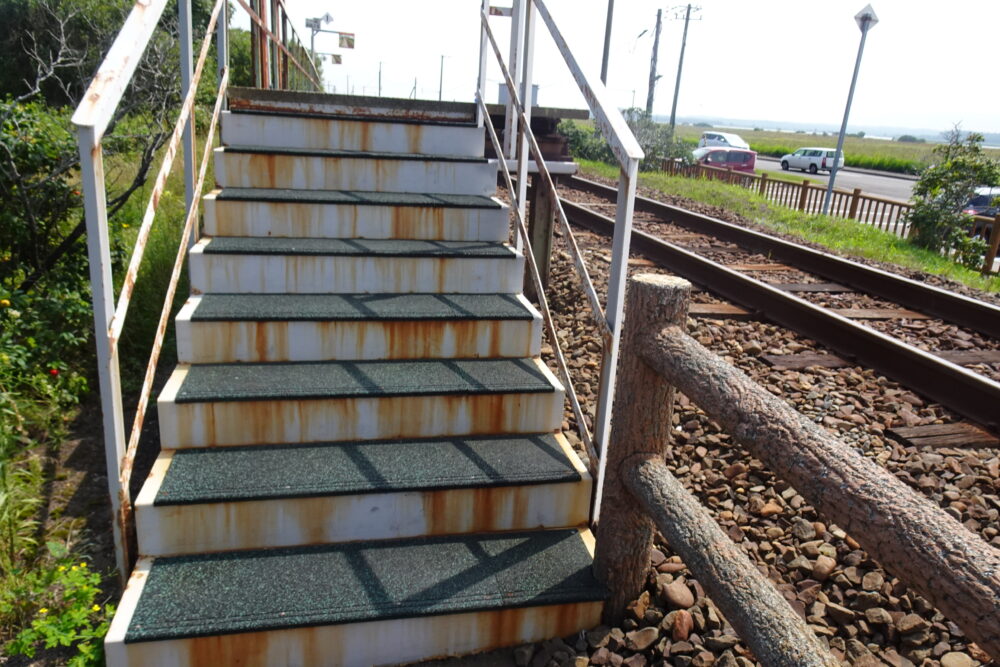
(901, 529)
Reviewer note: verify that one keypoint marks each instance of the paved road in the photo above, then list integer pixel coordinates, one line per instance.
(890, 187)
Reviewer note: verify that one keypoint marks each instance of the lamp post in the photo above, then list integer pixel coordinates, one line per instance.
(865, 19)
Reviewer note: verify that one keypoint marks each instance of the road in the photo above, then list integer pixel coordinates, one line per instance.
(874, 183)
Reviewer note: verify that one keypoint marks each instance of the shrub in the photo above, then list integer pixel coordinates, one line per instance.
(936, 221)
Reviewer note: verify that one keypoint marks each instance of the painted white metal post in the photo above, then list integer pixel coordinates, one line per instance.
(514, 67)
(101, 281)
(613, 311)
(530, 18)
(222, 44)
(480, 116)
(187, 70)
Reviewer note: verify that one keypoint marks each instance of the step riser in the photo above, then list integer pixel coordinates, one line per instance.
(223, 342)
(244, 218)
(306, 274)
(224, 526)
(350, 135)
(266, 170)
(292, 421)
(373, 643)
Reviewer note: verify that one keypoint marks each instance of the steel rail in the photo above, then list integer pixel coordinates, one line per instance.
(128, 284)
(962, 310)
(263, 26)
(961, 390)
(543, 303)
(598, 315)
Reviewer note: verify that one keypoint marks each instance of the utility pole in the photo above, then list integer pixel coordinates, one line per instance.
(441, 79)
(865, 19)
(380, 78)
(652, 64)
(607, 44)
(680, 66)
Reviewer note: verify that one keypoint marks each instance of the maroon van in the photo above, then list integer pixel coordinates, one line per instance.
(737, 159)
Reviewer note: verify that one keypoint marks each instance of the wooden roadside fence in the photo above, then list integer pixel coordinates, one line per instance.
(889, 215)
(906, 532)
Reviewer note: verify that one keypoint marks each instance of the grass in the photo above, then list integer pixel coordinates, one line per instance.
(847, 237)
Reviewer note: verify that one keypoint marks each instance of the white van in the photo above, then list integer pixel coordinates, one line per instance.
(724, 139)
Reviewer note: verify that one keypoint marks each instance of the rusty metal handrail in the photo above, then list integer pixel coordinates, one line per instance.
(262, 25)
(524, 15)
(543, 302)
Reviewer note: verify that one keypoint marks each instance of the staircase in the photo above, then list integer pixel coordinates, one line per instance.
(361, 462)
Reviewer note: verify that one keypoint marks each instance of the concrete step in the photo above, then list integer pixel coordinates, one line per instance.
(222, 328)
(367, 603)
(225, 498)
(352, 266)
(289, 130)
(341, 214)
(247, 404)
(309, 169)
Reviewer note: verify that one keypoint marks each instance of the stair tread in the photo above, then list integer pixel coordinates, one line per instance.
(359, 379)
(346, 154)
(223, 593)
(358, 307)
(374, 466)
(270, 245)
(314, 115)
(357, 197)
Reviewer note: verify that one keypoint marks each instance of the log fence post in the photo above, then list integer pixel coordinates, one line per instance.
(991, 252)
(852, 212)
(639, 486)
(762, 189)
(803, 194)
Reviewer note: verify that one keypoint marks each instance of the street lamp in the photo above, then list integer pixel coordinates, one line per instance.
(865, 19)
(316, 25)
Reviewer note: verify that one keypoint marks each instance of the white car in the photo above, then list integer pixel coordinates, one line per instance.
(811, 160)
(724, 139)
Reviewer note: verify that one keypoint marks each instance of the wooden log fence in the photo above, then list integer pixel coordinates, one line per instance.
(906, 532)
(889, 215)
(636, 472)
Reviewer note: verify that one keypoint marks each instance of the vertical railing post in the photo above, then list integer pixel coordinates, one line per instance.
(804, 195)
(642, 429)
(541, 222)
(187, 71)
(109, 379)
(514, 67)
(852, 212)
(481, 85)
(222, 43)
(529, 19)
(991, 252)
(762, 190)
(613, 311)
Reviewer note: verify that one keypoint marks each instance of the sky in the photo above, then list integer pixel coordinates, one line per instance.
(925, 65)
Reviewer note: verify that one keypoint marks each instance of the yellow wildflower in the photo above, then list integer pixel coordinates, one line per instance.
(73, 569)
(43, 610)
(62, 568)
(96, 607)
(5, 303)
(83, 565)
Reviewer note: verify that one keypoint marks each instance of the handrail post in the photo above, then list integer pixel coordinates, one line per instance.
(514, 67)
(222, 44)
(642, 429)
(187, 70)
(991, 252)
(527, 54)
(613, 312)
(481, 85)
(109, 379)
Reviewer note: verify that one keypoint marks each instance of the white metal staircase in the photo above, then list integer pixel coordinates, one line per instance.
(361, 461)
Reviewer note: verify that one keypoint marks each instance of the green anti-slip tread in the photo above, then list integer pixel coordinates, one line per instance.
(360, 379)
(217, 474)
(269, 245)
(359, 198)
(360, 155)
(247, 591)
(358, 307)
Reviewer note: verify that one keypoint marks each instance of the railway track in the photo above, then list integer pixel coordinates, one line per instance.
(823, 297)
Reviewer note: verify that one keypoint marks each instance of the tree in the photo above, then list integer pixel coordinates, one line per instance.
(909, 138)
(936, 220)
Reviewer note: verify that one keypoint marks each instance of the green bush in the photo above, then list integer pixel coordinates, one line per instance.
(654, 139)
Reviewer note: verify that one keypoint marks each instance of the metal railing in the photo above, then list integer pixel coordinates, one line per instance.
(519, 142)
(92, 118)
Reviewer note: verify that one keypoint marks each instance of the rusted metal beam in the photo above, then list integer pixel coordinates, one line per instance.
(967, 393)
(543, 303)
(270, 36)
(904, 531)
